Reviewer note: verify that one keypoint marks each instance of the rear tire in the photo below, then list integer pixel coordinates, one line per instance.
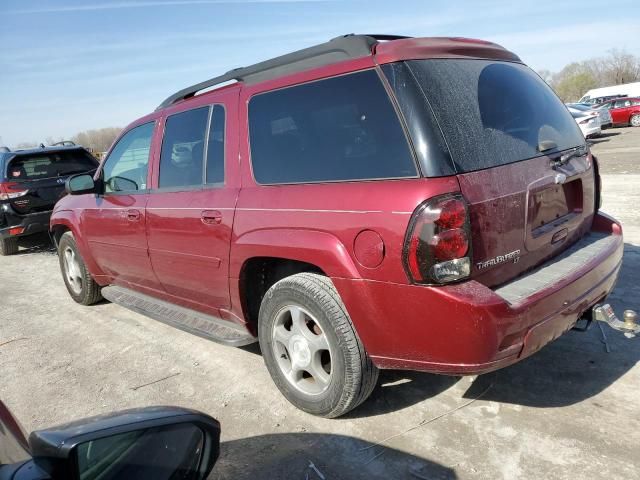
(79, 282)
(9, 246)
(311, 348)
(635, 121)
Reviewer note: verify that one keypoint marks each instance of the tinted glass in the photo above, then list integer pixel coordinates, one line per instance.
(172, 452)
(343, 128)
(126, 168)
(215, 146)
(50, 164)
(181, 159)
(494, 113)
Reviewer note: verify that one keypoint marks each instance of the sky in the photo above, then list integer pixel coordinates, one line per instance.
(73, 65)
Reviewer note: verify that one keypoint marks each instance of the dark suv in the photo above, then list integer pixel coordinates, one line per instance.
(31, 182)
(371, 202)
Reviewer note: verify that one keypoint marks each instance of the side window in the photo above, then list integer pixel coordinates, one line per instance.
(126, 168)
(342, 128)
(181, 159)
(215, 147)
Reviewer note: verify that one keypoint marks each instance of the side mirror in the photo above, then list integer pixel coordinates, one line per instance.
(80, 184)
(146, 443)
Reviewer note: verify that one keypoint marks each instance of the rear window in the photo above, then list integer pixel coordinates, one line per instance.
(50, 164)
(491, 113)
(338, 129)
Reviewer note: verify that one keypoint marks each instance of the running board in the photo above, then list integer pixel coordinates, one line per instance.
(203, 325)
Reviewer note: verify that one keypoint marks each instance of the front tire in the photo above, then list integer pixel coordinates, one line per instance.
(635, 121)
(80, 285)
(9, 246)
(311, 348)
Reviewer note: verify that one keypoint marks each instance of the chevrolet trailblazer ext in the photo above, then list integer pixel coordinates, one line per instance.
(371, 202)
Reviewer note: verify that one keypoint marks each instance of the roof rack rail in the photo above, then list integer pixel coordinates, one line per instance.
(340, 48)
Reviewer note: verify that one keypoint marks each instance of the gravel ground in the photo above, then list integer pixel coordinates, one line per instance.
(567, 412)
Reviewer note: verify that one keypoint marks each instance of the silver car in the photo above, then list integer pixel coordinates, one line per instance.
(603, 114)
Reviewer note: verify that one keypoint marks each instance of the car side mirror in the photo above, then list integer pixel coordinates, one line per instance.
(80, 184)
(145, 443)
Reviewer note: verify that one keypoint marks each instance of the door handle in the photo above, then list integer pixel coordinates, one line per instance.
(133, 215)
(211, 217)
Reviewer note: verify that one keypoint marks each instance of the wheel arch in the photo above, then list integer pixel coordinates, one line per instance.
(65, 221)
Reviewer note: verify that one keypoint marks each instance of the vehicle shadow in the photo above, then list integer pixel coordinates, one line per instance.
(575, 367)
(397, 389)
(602, 138)
(607, 134)
(37, 243)
(288, 455)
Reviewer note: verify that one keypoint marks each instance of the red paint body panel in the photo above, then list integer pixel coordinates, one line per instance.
(190, 247)
(461, 328)
(622, 115)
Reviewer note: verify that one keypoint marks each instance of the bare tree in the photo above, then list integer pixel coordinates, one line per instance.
(546, 75)
(97, 140)
(576, 78)
(620, 67)
(573, 80)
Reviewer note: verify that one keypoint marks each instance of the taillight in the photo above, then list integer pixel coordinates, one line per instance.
(438, 244)
(11, 190)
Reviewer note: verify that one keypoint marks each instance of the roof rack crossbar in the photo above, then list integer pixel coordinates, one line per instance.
(340, 48)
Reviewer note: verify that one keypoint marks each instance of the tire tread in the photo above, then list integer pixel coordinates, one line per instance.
(361, 375)
(91, 290)
(9, 246)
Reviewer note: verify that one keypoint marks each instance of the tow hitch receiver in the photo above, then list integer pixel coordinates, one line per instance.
(604, 313)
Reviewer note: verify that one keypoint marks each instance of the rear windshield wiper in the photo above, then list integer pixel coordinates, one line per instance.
(578, 151)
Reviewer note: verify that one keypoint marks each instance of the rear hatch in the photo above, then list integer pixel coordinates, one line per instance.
(36, 180)
(521, 161)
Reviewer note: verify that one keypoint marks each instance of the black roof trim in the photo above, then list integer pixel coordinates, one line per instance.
(335, 50)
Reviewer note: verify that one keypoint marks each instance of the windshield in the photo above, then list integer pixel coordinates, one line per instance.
(492, 113)
(37, 166)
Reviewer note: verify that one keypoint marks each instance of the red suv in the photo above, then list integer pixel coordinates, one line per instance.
(371, 202)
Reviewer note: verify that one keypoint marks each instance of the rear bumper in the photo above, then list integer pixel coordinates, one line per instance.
(469, 328)
(591, 131)
(32, 223)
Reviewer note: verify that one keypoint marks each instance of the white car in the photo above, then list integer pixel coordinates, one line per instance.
(589, 122)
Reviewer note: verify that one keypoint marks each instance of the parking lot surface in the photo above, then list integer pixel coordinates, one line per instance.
(570, 411)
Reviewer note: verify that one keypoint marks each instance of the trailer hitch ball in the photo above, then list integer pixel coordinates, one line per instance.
(630, 317)
(604, 313)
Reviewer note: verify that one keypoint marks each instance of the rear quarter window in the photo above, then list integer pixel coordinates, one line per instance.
(338, 129)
